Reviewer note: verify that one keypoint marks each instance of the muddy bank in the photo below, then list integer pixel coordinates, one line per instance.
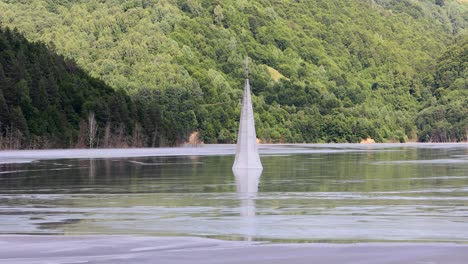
(171, 250)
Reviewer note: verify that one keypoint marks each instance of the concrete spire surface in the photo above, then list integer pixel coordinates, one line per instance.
(247, 156)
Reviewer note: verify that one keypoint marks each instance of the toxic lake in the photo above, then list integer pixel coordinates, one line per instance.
(338, 193)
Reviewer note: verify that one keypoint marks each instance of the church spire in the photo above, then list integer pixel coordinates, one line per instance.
(247, 156)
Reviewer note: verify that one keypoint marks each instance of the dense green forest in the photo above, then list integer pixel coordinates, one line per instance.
(321, 71)
(47, 101)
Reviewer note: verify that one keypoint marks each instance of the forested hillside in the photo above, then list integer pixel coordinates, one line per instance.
(321, 71)
(47, 101)
(445, 118)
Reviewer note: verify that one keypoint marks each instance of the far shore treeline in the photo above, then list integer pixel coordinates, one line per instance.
(149, 73)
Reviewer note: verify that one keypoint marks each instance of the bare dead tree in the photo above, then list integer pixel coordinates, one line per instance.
(2, 140)
(466, 134)
(107, 136)
(92, 129)
(138, 137)
(13, 138)
(154, 138)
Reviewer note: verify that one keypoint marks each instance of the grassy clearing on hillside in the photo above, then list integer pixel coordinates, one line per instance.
(275, 75)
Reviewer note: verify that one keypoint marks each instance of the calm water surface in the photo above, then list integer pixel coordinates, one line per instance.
(313, 193)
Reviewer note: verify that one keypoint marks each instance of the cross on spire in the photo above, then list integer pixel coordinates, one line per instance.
(246, 67)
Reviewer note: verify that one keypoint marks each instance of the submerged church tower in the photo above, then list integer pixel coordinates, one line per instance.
(247, 156)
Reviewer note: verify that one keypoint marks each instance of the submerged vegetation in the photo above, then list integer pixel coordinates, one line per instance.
(321, 71)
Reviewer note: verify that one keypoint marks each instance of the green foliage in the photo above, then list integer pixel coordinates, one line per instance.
(445, 119)
(44, 96)
(352, 69)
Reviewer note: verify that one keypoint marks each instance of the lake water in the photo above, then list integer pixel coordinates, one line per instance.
(306, 193)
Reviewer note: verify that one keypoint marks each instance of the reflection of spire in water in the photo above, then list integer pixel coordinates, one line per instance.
(247, 166)
(247, 188)
(247, 150)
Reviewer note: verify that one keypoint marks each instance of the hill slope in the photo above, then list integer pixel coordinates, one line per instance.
(352, 69)
(45, 100)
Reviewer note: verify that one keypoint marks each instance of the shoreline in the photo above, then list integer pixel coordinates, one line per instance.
(35, 249)
(27, 156)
